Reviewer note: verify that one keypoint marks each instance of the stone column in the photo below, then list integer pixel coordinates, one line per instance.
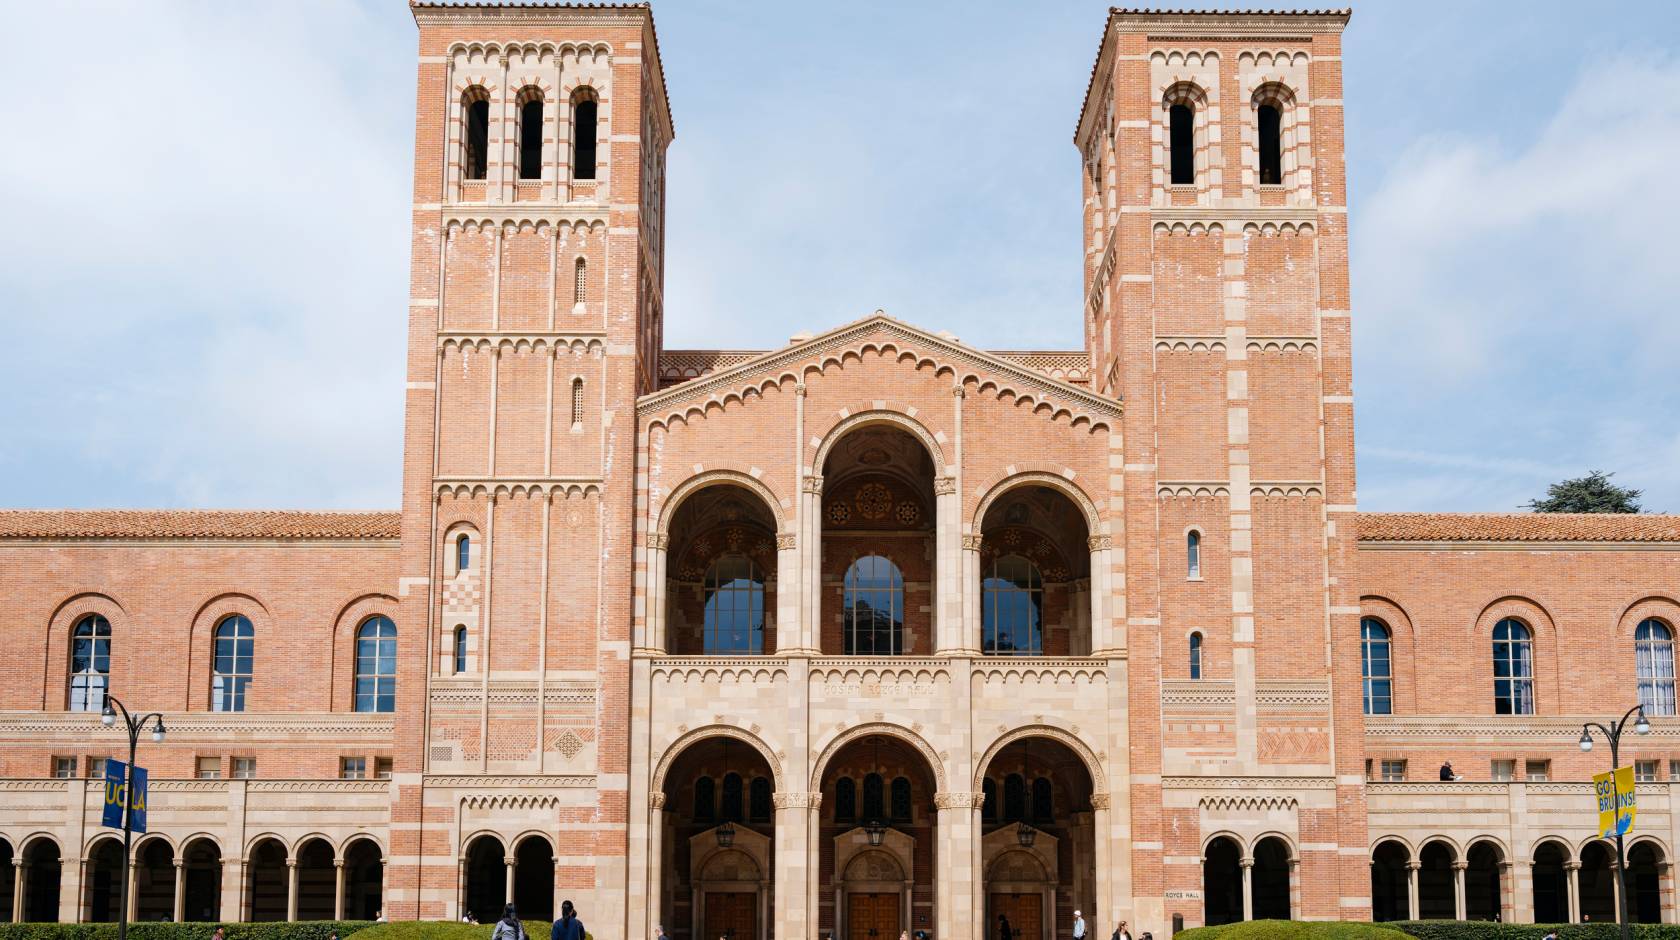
(948, 628)
(810, 562)
(460, 888)
(788, 628)
(1459, 906)
(509, 865)
(180, 908)
(970, 587)
(1104, 904)
(763, 918)
(1247, 864)
(232, 903)
(133, 889)
(956, 886)
(1665, 890)
(338, 889)
(1101, 547)
(796, 864)
(1616, 887)
(291, 889)
(1507, 892)
(1412, 868)
(655, 862)
(653, 618)
(19, 871)
(1574, 869)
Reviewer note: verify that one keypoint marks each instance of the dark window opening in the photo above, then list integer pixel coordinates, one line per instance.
(530, 140)
(1271, 145)
(583, 140)
(1014, 798)
(845, 800)
(1183, 144)
(901, 799)
(1043, 800)
(475, 161)
(758, 799)
(989, 803)
(732, 809)
(874, 801)
(705, 800)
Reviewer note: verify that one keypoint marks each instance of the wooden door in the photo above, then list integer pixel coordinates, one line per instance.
(1025, 913)
(872, 916)
(731, 915)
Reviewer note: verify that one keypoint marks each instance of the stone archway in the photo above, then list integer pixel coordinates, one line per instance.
(711, 855)
(1039, 797)
(873, 892)
(731, 885)
(101, 881)
(877, 796)
(1020, 885)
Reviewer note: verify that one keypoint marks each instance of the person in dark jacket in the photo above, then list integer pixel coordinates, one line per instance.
(568, 927)
(509, 927)
(1004, 933)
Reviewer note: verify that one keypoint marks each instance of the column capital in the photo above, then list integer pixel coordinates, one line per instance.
(509, 860)
(958, 391)
(1100, 800)
(291, 863)
(812, 483)
(972, 542)
(338, 863)
(944, 486)
(656, 801)
(958, 799)
(796, 800)
(1460, 866)
(658, 541)
(1572, 865)
(1414, 865)
(1247, 861)
(1097, 543)
(180, 863)
(786, 541)
(799, 389)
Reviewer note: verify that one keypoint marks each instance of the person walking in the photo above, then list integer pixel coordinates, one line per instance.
(1004, 933)
(1078, 925)
(659, 932)
(1121, 933)
(568, 927)
(509, 927)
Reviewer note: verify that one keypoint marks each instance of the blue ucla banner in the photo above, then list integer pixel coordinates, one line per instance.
(116, 778)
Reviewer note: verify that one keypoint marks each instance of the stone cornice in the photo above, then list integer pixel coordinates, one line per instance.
(540, 14)
(506, 782)
(191, 726)
(1258, 784)
(1560, 730)
(1514, 546)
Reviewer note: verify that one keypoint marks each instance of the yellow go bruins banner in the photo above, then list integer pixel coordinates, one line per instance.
(1617, 804)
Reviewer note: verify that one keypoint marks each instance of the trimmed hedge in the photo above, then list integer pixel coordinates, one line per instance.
(445, 930)
(153, 930)
(1490, 930)
(1293, 930)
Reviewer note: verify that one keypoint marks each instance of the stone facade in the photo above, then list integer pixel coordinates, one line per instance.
(877, 631)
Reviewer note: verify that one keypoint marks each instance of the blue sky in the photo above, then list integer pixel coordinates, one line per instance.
(205, 266)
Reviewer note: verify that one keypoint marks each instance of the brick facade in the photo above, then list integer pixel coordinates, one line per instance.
(873, 631)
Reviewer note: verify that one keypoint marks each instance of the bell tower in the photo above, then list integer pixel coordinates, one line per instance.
(534, 323)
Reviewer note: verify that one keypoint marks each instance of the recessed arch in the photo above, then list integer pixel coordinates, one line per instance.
(675, 748)
(1055, 481)
(880, 416)
(1093, 766)
(710, 478)
(936, 765)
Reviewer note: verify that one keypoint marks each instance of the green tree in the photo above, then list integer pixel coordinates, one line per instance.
(1591, 493)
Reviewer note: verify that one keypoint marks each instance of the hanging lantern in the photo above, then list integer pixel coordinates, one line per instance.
(1025, 835)
(725, 834)
(875, 831)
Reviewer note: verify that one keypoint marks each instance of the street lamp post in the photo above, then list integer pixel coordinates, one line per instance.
(1613, 734)
(135, 727)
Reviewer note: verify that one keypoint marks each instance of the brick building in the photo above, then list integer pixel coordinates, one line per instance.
(874, 631)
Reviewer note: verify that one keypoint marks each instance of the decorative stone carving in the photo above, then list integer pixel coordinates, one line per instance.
(1097, 543)
(659, 541)
(786, 541)
(944, 486)
(656, 801)
(957, 799)
(796, 800)
(972, 543)
(1099, 801)
(812, 484)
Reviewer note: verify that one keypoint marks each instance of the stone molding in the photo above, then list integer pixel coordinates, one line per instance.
(374, 727)
(531, 781)
(658, 541)
(565, 488)
(1284, 784)
(813, 483)
(944, 486)
(972, 543)
(786, 541)
(798, 800)
(1562, 730)
(957, 799)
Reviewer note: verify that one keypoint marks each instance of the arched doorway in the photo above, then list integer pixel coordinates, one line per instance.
(42, 869)
(1038, 838)
(1645, 864)
(364, 880)
(317, 880)
(202, 894)
(1483, 887)
(1551, 887)
(8, 884)
(154, 881)
(1391, 896)
(267, 880)
(1597, 882)
(533, 879)
(1035, 568)
(877, 801)
(878, 557)
(1270, 880)
(717, 831)
(720, 575)
(1437, 893)
(486, 879)
(1222, 882)
(101, 884)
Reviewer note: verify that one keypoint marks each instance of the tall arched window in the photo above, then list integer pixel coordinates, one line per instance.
(235, 648)
(1196, 655)
(530, 136)
(1269, 122)
(845, 800)
(705, 800)
(1193, 554)
(1014, 798)
(1043, 800)
(90, 664)
(734, 609)
(732, 809)
(1653, 645)
(873, 608)
(988, 800)
(376, 665)
(460, 650)
(463, 553)
(1011, 608)
(901, 799)
(577, 401)
(1376, 666)
(580, 280)
(758, 799)
(475, 136)
(1513, 668)
(874, 798)
(584, 129)
(1181, 141)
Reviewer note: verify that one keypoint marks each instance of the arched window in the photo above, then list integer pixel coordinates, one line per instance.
(845, 800)
(1513, 668)
(874, 608)
(1011, 608)
(705, 800)
(1182, 143)
(1193, 555)
(734, 609)
(530, 137)
(460, 649)
(584, 129)
(1014, 798)
(577, 401)
(1043, 800)
(235, 645)
(463, 553)
(376, 665)
(1653, 645)
(874, 798)
(758, 799)
(580, 279)
(1270, 124)
(90, 664)
(732, 798)
(475, 137)
(1196, 655)
(901, 799)
(988, 800)
(1376, 666)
